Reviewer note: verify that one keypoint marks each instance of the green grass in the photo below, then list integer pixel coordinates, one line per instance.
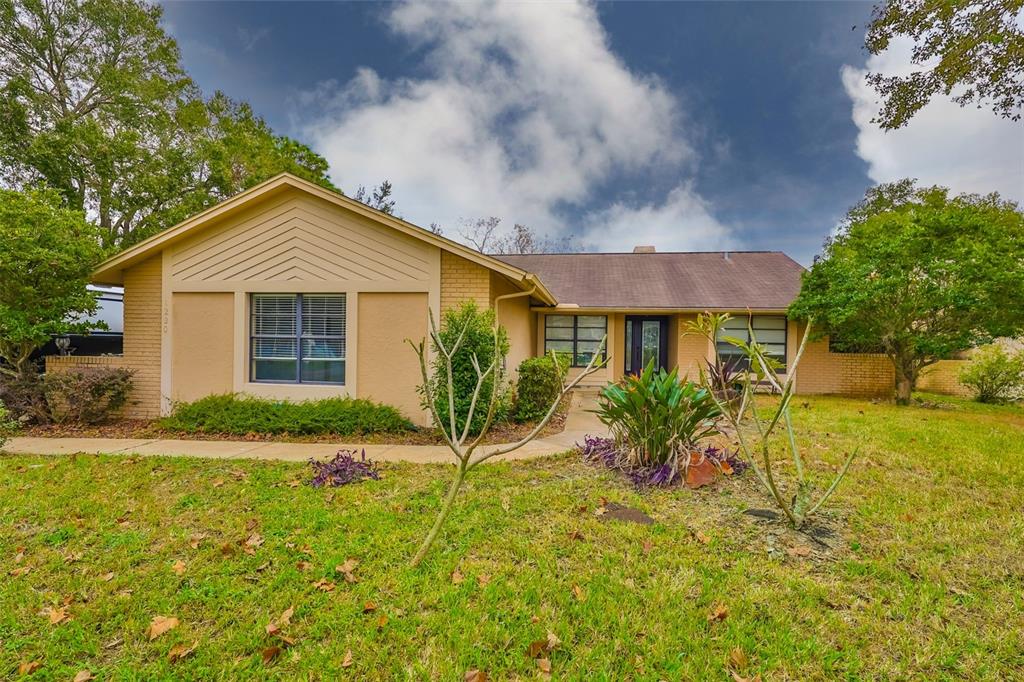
(241, 415)
(925, 580)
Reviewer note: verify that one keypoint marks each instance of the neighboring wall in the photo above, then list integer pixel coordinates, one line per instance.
(389, 370)
(202, 350)
(943, 377)
(853, 374)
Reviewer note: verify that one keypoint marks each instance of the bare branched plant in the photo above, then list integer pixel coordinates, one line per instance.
(466, 446)
(764, 372)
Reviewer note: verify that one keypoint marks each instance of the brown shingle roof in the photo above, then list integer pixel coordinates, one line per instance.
(702, 280)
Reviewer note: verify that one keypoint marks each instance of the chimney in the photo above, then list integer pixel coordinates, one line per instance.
(725, 255)
(644, 249)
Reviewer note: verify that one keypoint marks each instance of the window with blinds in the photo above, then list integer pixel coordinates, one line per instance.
(579, 336)
(298, 338)
(769, 331)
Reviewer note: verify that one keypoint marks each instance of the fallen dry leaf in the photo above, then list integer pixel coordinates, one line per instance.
(57, 616)
(701, 472)
(553, 641)
(536, 648)
(159, 625)
(303, 565)
(544, 665)
(72, 557)
(21, 570)
(29, 667)
(799, 550)
(347, 569)
(369, 607)
(83, 676)
(324, 585)
(483, 579)
(107, 577)
(739, 678)
(576, 535)
(382, 620)
(738, 659)
(346, 662)
(578, 592)
(457, 578)
(178, 567)
(648, 546)
(195, 539)
(719, 613)
(474, 676)
(702, 538)
(217, 482)
(180, 651)
(270, 653)
(251, 524)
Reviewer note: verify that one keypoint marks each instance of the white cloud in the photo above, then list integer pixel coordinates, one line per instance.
(524, 110)
(682, 223)
(965, 149)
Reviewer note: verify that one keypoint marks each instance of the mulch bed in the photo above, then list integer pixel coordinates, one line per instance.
(150, 429)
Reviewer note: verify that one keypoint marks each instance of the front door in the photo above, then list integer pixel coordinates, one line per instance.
(646, 340)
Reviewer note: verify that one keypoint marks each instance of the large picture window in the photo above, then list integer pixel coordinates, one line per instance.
(576, 335)
(298, 338)
(769, 331)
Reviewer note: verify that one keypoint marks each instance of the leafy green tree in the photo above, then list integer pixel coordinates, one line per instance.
(94, 102)
(972, 50)
(47, 256)
(919, 275)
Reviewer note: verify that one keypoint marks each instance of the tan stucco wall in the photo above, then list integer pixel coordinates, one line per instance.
(389, 370)
(519, 321)
(463, 280)
(202, 355)
(142, 340)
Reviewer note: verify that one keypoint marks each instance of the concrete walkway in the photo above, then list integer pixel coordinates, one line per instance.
(579, 423)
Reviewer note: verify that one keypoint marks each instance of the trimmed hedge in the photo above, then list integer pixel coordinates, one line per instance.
(239, 414)
(539, 384)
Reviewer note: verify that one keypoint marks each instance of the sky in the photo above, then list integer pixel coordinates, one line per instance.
(690, 126)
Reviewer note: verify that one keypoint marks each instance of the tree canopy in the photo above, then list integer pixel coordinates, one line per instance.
(48, 254)
(94, 102)
(919, 275)
(971, 50)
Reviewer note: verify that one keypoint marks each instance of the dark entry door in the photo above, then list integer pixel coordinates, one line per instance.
(646, 339)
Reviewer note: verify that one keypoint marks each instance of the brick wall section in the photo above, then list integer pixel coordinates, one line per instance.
(463, 280)
(142, 308)
(57, 364)
(852, 374)
(943, 377)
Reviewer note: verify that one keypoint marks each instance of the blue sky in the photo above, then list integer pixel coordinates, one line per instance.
(691, 126)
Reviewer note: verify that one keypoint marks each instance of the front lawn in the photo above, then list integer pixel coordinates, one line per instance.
(923, 578)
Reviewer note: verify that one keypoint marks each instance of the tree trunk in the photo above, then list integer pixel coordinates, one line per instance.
(904, 387)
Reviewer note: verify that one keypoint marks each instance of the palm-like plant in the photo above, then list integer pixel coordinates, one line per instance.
(656, 417)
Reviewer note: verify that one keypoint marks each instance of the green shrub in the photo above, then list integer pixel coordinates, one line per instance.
(86, 395)
(478, 339)
(8, 427)
(656, 417)
(237, 414)
(995, 374)
(540, 382)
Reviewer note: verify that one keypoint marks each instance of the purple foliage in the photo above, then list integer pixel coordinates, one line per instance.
(604, 452)
(344, 468)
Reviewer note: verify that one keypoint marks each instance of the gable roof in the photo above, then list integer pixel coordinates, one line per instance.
(110, 271)
(719, 280)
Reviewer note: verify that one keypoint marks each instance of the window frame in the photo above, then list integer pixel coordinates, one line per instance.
(731, 352)
(575, 340)
(298, 337)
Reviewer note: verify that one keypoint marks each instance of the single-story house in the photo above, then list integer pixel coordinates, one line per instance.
(291, 291)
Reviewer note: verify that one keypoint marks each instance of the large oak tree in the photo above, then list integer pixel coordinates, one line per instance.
(919, 275)
(94, 103)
